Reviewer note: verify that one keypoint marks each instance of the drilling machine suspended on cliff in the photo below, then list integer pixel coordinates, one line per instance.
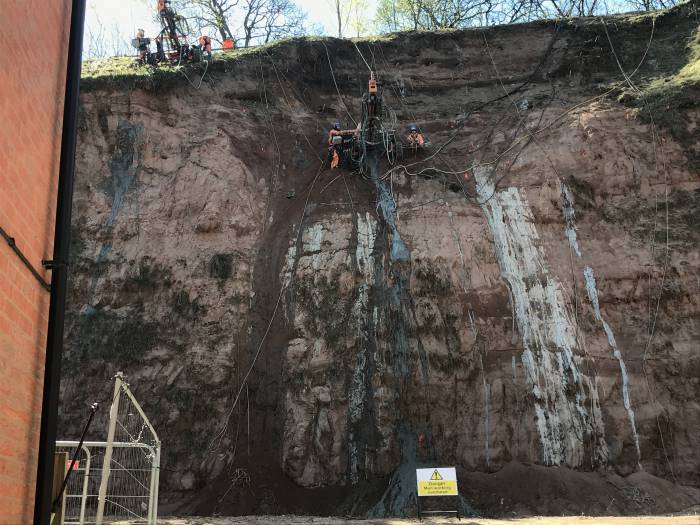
(375, 134)
(378, 127)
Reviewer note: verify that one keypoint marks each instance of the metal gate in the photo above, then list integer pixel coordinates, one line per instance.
(116, 479)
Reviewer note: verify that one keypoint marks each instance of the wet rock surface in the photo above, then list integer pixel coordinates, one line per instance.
(508, 302)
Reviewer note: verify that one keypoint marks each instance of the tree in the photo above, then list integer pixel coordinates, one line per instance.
(267, 20)
(358, 20)
(213, 14)
(100, 42)
(261, 20)
(341, 9)
(396, 15)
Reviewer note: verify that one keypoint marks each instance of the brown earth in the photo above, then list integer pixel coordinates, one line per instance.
(535, 323)
(535, 520)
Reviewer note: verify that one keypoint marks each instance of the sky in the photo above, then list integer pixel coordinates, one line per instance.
(121, 18)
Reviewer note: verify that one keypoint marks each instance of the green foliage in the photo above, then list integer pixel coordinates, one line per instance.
(127, 73)
(431, 15)
(665, 101)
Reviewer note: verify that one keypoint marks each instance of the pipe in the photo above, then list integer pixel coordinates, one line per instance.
(54, 341)
(13, 245)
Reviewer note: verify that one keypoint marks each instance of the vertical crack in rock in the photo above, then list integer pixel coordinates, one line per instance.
(560, 390)
(124, 164)
(401, 491)
(569, 212)
(362, 434)
(387, 205)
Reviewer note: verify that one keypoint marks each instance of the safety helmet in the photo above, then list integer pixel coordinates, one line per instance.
(412, 128)
(336, 125)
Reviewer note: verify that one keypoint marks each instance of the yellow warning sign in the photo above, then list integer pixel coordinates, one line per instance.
(436, 481)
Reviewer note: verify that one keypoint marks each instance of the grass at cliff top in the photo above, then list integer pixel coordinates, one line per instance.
(664, 100)
(126, 72)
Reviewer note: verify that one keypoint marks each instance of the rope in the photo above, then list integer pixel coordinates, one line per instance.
(482, 105)
(275, 171)
(666, 253)
(219, 436)
(284, 93)
(181, 70)
(362, 56)
(347, 110)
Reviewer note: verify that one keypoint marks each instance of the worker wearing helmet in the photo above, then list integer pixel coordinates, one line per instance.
(415, 138)
(333, 148)
(141, 43)
(205, 46)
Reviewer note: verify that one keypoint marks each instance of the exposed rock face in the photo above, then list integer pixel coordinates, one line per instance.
(507, 302)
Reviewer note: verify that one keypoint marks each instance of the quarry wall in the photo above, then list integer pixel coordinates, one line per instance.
(520, 301)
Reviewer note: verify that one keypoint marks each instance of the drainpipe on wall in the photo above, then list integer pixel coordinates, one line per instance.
(59, 267)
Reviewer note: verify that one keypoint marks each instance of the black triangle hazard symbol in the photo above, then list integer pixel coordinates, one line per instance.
(436, 476)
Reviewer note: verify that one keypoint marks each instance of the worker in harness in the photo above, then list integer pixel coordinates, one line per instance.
(415, 138)
(337, 139)
(333, 145)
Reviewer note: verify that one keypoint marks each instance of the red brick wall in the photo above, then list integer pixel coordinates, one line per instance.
(34, 44)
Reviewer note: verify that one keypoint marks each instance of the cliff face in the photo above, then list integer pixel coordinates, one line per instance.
(521, 301)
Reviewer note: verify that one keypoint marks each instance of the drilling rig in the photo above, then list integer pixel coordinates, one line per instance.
(378, 127)
(171, 42)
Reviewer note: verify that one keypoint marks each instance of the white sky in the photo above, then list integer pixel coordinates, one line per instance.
(123, 17)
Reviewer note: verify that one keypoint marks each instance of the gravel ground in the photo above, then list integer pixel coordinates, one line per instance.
(688, 519)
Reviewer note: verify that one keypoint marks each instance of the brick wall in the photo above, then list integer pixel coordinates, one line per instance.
(34, 44)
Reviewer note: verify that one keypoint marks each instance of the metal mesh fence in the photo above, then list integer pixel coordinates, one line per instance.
(116, 479)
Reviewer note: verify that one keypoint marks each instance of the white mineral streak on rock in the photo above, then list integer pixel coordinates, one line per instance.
(313, 246)
(289, 264)
(592, 291)
(569, 218)
(547, 329)
(366, 234)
